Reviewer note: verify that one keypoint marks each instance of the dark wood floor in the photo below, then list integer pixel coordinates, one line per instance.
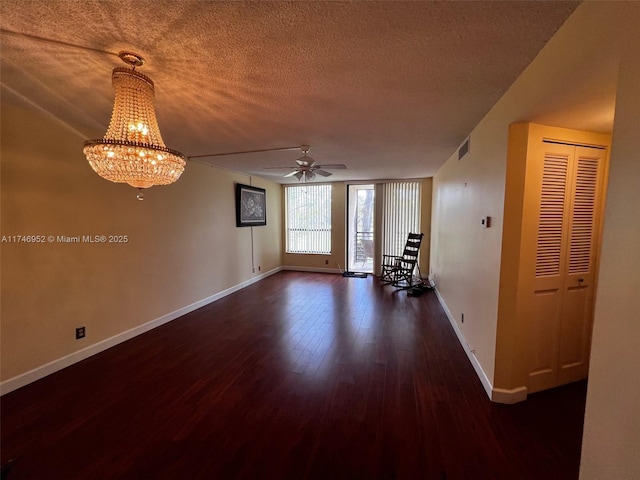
(300, 376)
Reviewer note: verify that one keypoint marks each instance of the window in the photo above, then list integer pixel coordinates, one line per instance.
(308, 218)
(401, 214)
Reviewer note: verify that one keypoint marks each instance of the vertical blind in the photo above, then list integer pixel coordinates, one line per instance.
(400, 215)
(308, 218)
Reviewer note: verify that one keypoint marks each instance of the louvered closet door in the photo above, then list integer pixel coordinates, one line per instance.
(580, 275)
(562, 307)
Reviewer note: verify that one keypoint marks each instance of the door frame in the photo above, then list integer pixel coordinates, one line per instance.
(348, 227)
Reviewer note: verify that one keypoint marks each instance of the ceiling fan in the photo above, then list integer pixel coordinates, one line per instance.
(307, 168)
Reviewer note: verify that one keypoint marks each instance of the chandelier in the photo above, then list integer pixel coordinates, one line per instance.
(132, 150)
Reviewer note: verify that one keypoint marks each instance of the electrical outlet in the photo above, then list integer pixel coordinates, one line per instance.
(259, 268)
(326, 262)
(463, 318)
(80, 332)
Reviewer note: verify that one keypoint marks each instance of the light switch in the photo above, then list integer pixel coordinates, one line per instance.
(486, 222)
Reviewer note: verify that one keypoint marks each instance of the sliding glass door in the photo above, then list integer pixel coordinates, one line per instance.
(360, 228)
(377, 226)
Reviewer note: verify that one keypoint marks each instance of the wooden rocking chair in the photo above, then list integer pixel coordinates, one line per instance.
(398, 270)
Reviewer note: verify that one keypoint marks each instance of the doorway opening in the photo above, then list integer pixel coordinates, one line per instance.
(360, 228)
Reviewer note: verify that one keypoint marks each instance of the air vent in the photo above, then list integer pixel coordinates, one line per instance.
(464, 149)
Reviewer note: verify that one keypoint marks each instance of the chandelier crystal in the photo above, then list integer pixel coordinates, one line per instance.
(132, 150)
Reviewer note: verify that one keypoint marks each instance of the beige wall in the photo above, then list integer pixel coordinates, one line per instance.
(425, 223)
(612, 422)
(465, 256)
(465, 259)
(183, 245)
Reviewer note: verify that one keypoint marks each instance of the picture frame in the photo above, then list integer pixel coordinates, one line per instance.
(251, 206)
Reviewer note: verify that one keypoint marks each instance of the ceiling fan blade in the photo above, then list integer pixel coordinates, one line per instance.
(291, 174)
(279, 168)
(322, 172)
(335, 166)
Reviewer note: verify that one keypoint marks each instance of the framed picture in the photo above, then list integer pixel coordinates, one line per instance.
(251, 206)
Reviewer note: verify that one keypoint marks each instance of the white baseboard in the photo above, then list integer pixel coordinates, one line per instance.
(498, 395)
(42, 371)
(486, 383)
(310, 269)
(515, 395)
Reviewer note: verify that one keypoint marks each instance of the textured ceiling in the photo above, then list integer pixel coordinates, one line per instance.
(388, 88)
